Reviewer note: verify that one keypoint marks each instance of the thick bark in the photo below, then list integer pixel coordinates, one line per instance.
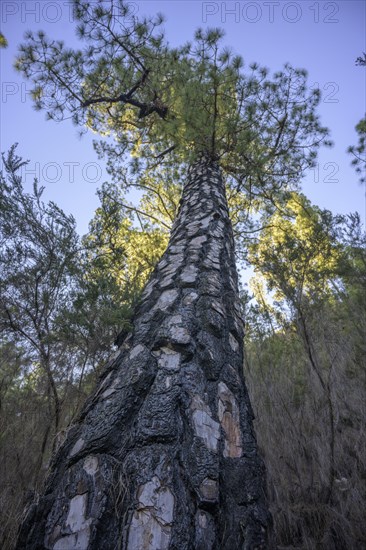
(164, 455)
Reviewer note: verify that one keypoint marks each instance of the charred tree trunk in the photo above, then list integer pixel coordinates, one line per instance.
(164, 455)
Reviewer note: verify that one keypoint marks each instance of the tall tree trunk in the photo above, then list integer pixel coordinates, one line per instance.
(164, 456)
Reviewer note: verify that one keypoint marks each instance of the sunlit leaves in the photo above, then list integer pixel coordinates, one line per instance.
(297, 254)
(210, 102)
(156, 105)
(122, 252)
(111, 62)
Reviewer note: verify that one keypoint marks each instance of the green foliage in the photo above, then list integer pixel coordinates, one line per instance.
(305, 366)
(119, 253)
(63, 304)
(296, 254)
(359, 151)
(117, 48)
(66, 301)
(3, 41)
(164, 106)
(37, 249)
(153, 101)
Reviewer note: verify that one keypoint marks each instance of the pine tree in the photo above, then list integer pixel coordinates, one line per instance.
(163, 454)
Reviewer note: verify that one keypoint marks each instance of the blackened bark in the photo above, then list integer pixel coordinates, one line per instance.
(164, 455)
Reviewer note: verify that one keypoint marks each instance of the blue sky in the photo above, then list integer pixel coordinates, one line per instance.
(323, 37)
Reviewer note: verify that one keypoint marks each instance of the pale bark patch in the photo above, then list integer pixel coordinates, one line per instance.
(205, 222)
(206, 428)
(189, 274)
(217, 306)
(150, 528)
(214, 252)
(209, 490)
(193, 229)
(190, 298)
(168, 358)
(78, 541)
(77, 447)
(108, 392)
(76, 516)
(150, 286)
(230, 422)
(136, 351)
(91, 465)
(202, 520)
(166, 299)
(198, 241)
(177, 332)
(166, 282)
(78, 525)
(234, 344)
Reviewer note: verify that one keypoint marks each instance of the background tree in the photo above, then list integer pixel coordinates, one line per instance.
(62, 307)
(38, 247)
(263, 133)
(38, 250)
(305, 353)
(359, 151)
(287, 397)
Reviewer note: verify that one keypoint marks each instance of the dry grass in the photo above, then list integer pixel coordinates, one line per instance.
(316, 477)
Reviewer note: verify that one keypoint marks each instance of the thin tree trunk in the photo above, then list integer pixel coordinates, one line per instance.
(163, 455)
